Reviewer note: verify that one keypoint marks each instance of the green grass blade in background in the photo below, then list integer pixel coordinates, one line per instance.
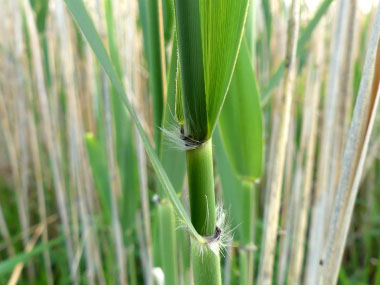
(150, 25)
(305, 35)
(274, 81)
(8, 264)
(222, 25)
(125, 142)
(173, 160)
(241, 122)
(377, 275)
(112, 45)
(86, 25)
(168, 243)
(267, 18)
(98, 162)
(231, 185)
(130, 181)
(241, 127)
(40, 7)
(307, 32)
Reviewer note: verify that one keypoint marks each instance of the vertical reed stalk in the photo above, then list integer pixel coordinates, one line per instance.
(155, 56)
(49, 133)
(325, 164)
(247, 235)
(40, 193)
(141, 157)
(162, 51)
(167, 225)
(12, 159)
(81, 180)
(353, 160)
(20, 140)
(5, 234)
(306, 158)
(114, 189)
(271, 214)
(344, 102)
(132, 272)
(206, 264)
(291, 187)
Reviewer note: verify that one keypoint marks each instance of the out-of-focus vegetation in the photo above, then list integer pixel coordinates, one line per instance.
(189, 141)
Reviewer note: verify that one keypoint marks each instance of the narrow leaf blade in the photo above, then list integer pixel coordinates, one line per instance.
(86, 25)
(222, 24)
(241, 121)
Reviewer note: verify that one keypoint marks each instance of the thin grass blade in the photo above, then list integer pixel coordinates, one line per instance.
(86, 25)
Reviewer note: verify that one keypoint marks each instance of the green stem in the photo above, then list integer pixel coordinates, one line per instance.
(155, 69)
(148, 10)
(132, 266)
(247, 233)
(201, 188)
(206, 264)
(185, 258)
(168, 242)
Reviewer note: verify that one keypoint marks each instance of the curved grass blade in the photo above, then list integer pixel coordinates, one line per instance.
(86, 25)
(8, 264)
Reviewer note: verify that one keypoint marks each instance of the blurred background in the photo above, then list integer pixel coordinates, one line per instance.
(78, 196)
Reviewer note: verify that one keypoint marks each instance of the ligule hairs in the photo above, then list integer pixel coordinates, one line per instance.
(177, 140)
(222, 237)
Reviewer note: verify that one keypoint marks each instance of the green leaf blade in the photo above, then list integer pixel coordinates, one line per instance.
(191, 68)
(222, 25)
(86, 25)
(241, 121)
(10, 263)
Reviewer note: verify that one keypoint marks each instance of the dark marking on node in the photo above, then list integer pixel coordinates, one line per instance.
(218, 233)
(188, 140)
(321, 262)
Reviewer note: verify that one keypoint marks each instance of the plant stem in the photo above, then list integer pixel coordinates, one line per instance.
(201, 188)
(168, 242)
(131, 266)
(246, 239)
(202, 206)
(157, 84)
(273, 199)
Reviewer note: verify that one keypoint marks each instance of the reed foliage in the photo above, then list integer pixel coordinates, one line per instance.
(189, 142)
